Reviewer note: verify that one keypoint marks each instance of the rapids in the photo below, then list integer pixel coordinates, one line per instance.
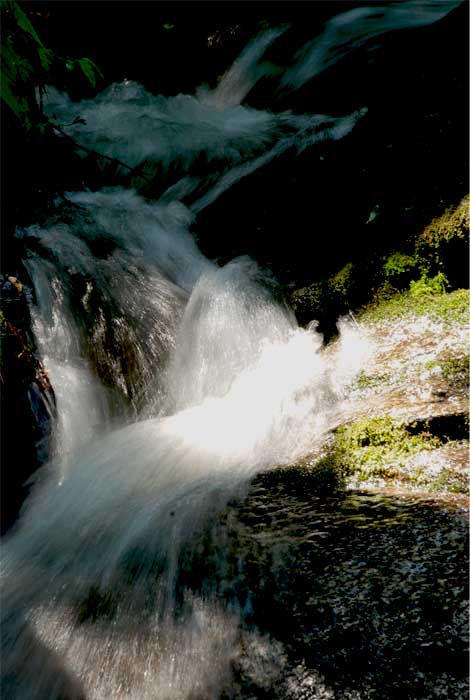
(178, 382)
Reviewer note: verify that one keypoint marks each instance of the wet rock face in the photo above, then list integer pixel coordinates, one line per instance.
(28, 402)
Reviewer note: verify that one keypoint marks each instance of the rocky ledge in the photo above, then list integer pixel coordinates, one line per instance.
(403, 426)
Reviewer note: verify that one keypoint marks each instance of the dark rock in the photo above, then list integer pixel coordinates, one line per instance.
(28, 401)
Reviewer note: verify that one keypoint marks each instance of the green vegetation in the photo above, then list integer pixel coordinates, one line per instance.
(451, 481)
(26, 66)
(426, 267)
(429, 265)
(380, 449)
(455, 366)
(366, 381)
(3, 325)
(398, 267)
(327, 297)
(341, 285)
(401, 282)
(452, 309)
(429, 285)
(377, 447)
(454, 223)
(454, 369)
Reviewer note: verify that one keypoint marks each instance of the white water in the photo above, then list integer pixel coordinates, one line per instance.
(177, 381)
(359, 26)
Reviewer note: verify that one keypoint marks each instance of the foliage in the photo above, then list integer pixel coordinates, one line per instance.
(442, 247)
(24, 63)
(366, 381)
(376, 447)
(456, 369)
(434, 262)
(398, 266)
(327, 297)
(429, 285)
(454, 223)
(451, 481)
(3, 325)
(308, 301)
(341, 284)
(89, 69)
(438, 249)
(451, 309)
(27, 66)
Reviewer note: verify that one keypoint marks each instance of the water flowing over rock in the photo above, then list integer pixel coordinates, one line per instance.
(174, 545)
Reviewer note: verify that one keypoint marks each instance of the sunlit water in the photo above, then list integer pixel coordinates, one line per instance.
(135, 570)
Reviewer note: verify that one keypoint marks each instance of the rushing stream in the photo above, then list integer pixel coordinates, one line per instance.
(158, 556)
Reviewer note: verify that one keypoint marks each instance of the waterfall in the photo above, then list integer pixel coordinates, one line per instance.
(177, 382)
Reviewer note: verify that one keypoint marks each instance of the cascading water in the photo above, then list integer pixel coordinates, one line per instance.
(177, 382)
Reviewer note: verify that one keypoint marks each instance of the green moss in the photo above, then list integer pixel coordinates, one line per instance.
(442, 247)
(452, 481)
(454, 223)
(409, 281)
(456, 368)
(3, 325)
(328, 297)
(452, 308)
(308, 297)
(366, 381)
(398, 269)
(340, 285)
(378, 447)
(426, 286)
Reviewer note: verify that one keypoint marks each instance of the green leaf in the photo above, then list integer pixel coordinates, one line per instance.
(16, 102)
(15, 72)
(169, 26)
(45, 57)
(90, 70)
(24, 22)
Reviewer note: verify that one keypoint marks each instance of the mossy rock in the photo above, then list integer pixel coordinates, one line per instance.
(443, 246)
(384, 451)
(433, 262)
(308, 302)
(399, 269)
(457, 370)
(454, 223)
(377, 448)
(451, 309)
(328, 298)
